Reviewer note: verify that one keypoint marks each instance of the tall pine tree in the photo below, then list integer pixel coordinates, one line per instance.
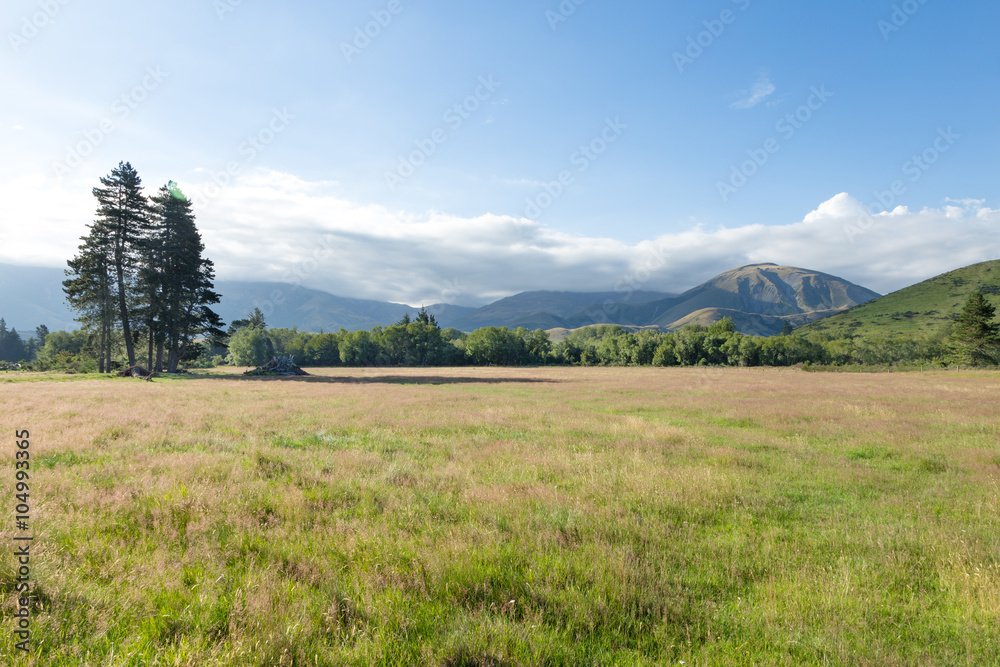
(152, 274)
(123, 218)
(181, 278)
(90, 291)
(426, 318)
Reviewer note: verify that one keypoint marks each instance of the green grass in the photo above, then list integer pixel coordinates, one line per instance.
(921, 310)
(733, 518)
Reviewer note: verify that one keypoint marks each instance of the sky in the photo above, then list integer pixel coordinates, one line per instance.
(462, 151)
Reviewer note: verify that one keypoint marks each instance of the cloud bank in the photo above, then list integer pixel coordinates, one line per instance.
(271, 226)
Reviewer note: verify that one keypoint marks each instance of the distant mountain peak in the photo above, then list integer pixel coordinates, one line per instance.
(753, 266)
(773, 294)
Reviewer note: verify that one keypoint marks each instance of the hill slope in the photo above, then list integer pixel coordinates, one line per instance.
(33, 295)
(769, 292)
(923, 309)
(545, 309)
(753, 324)
(313, 310)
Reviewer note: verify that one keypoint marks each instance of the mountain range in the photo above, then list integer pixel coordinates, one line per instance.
(32, 295)
(760, 298)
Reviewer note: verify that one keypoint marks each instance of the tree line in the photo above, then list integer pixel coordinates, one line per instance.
(974, 340)
(417, 344)
(15, 349)
(140, 277)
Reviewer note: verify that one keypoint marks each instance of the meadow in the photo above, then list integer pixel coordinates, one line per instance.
(508, 516)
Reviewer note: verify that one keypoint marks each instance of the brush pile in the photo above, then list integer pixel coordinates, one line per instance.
(136, 372)
(284, 365)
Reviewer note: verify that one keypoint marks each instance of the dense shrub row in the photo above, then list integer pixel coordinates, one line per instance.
(423, 344)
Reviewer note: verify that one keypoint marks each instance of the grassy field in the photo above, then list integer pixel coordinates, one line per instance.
(473, 517)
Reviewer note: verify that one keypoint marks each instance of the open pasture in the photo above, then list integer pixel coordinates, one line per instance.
(500, 516)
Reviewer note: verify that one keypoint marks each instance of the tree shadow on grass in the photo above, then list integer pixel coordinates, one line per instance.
(382, 379)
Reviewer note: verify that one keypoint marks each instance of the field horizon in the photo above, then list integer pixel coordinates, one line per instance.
(510, 516)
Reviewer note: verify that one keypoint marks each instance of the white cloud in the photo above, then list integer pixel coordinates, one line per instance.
(270, 226)
(40, 222)
(840, 206)
(747, 99)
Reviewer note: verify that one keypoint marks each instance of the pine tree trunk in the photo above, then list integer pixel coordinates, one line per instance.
(149, 355)
(158, 367)
(105, 314)
(100, 349)
(106, 326)
(179, 355)
(123, 312)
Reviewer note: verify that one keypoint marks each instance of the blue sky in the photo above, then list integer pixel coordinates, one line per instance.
(289, 121)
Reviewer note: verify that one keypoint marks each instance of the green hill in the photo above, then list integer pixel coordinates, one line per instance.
(559, 334)
(753, 324)
(924, 309)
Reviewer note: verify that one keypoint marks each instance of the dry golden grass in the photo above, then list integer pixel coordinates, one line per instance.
(634, 516)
